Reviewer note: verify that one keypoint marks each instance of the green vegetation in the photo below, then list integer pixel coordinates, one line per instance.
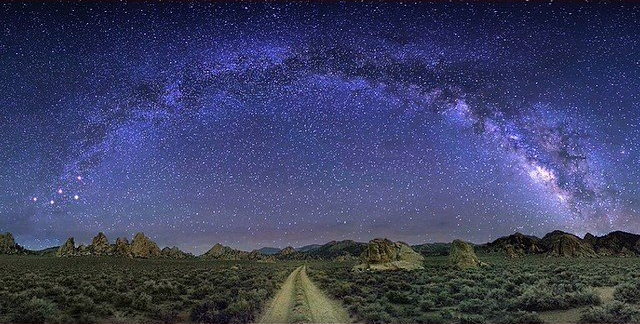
(119, 290)
(517, 290)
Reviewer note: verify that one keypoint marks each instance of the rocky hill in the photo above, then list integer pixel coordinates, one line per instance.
(174, 253)
(340, 250)
(383, 254)
(615, 243)
(308, 248)
(432, 249)
(516, 245)
(562, 244)
(221, 252)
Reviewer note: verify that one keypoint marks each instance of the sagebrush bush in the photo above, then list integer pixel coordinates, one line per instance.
(628, 292)
(102, 289)
(614, 312)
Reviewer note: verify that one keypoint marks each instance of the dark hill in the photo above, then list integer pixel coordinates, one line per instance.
(308, 248)
(615, 243)
(517, 244)
(432, 249)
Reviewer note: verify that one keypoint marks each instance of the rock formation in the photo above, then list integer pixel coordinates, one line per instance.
(462, 255)
(100, 245)
(517, 244)
(287, 250)
(8, 244)
(122, 248)
(221, 252)
(144, 247)
(510, 251)
(561, 244)
(67, 249)
(174, 253)
(615, 243)
(590, 239)
(83, 250)
(383, 254)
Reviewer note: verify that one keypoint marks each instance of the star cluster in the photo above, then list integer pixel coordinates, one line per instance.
(257, 124)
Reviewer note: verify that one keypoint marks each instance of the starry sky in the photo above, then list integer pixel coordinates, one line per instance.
(272, 124)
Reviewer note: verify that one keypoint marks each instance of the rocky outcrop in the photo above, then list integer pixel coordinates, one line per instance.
(122, 248)
(144, 247)
(221, 252)
(174, 253)
(83, 250)
(67, 249)
(140, 247)
(259, 256)
(383, 254)
(8, 244)
(590, 239)
(462, 255)
(511, 252)
(615, 243)
(287, 250)
(517, 245)
(100, 245)
(561, 244)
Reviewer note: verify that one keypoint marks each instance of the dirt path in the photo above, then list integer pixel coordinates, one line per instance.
(300, 301)
(278, 311)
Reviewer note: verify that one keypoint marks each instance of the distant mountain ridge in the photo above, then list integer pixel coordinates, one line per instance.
(269, 250)
(563, 244)
(555, 244)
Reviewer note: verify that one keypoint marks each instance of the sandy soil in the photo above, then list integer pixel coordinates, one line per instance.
(299, 300)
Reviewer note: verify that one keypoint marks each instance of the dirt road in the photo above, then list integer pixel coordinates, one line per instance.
(300, 301)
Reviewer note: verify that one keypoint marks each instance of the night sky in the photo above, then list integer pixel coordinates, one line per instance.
(272, 124)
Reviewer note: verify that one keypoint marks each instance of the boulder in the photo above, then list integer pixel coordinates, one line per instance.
(144, 247)
(462, 255)
(67, 249)
(100, 245)
(383, 254)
